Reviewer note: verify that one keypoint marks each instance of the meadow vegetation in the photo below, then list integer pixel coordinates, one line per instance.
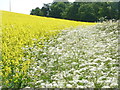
(20, 32)
(42, 52)
(85, 57)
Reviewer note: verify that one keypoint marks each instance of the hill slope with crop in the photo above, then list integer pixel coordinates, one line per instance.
(19, 31)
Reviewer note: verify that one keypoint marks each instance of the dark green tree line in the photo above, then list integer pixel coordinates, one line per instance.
(79, 11)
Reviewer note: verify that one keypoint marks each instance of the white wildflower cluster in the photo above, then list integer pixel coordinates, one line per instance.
(86, 57)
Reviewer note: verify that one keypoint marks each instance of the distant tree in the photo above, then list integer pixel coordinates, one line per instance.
(103, 10)
(72, 12)
(114, 9)
(36, 11)
(118, 4)
(45, 10)
(64, 14)
(56, 9)
(96, 7)
(86, 12)
(79, 11)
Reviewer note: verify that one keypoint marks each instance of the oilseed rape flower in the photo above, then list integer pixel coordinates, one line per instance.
(19, 32)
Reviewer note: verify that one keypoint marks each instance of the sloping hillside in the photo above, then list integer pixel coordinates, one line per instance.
(20, 31)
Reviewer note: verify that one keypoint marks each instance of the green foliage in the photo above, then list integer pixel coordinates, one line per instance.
(57, 9)
(87, 13)
(80, 11)
(36, 11)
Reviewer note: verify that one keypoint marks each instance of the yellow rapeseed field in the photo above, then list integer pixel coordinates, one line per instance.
(18, 31)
